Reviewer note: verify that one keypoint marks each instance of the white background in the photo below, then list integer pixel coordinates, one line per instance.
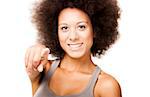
(128, 60)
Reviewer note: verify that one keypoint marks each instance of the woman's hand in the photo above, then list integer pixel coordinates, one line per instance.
(36, 58)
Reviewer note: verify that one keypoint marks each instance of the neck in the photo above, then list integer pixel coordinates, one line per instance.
(79, 65)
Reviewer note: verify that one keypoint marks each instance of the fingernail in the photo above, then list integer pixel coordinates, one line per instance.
(45, 50)
(40, 68)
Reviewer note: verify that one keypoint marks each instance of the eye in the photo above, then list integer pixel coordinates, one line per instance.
(81, 27)
(64, 28)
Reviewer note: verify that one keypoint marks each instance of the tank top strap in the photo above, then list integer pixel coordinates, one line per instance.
(52, 69)
(93, 80)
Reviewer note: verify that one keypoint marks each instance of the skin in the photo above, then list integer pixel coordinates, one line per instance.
(75, 35)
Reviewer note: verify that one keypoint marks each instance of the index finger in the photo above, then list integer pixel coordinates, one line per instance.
(44, 59)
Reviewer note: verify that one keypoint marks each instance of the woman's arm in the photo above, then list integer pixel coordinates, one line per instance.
(35, 56)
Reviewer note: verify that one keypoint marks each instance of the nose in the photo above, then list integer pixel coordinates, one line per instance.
(73, 35)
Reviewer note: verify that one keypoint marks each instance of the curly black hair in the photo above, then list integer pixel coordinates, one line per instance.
(103, 14)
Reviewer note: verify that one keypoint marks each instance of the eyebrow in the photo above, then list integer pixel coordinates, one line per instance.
(62, 24)
(82, 22)
(77, 23)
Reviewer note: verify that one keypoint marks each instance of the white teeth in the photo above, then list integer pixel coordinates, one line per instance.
(75, 45)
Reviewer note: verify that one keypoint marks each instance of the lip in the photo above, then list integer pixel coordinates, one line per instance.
(75, 46)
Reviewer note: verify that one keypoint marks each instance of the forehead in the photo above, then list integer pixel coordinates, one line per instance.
(72, 15)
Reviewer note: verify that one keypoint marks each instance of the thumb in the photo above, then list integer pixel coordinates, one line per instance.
(45, 52)
(44, 59)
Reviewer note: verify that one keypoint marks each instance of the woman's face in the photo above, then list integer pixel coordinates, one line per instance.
(75, 32)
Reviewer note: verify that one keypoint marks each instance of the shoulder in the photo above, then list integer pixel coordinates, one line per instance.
(107, 86)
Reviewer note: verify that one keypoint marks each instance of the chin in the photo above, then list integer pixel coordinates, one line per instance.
(77, 55)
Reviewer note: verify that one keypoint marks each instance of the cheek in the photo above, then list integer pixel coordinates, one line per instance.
(61, 41)
(89, 39)
(88, 36)
(62, 38)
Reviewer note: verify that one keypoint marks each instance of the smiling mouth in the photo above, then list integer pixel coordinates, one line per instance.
(76, 45)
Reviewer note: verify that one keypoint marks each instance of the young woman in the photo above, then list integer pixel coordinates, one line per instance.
(73, 30)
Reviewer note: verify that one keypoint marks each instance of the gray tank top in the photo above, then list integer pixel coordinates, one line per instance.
(44, 91)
